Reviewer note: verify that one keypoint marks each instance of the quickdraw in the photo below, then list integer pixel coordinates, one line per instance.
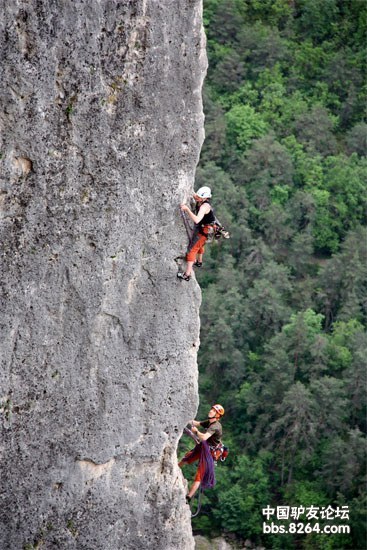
(215, 231)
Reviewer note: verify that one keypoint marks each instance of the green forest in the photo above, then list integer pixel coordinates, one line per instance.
(283, 317)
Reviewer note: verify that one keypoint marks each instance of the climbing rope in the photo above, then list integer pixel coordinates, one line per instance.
(191, 434)
(188, 228)
(200, 493)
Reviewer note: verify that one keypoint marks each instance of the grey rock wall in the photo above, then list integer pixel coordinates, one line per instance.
(101, 128)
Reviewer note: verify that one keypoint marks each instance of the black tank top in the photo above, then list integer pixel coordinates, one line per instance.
(209, 217)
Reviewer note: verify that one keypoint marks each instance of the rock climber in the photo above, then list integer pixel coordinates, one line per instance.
(202, 218)
(204, 451)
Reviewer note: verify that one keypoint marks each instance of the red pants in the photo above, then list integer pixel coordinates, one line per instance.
(196, 246)
(193, 456)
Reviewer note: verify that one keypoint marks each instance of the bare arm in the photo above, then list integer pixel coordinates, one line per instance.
(204, 209)
(200, 435)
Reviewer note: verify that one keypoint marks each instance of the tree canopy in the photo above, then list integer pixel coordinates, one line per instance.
(283, 317)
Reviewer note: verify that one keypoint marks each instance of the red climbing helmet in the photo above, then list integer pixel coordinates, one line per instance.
(219, 409)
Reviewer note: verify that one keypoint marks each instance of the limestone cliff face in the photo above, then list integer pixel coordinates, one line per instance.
(101, 128)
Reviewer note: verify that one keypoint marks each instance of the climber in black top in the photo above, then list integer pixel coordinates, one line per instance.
(203, 218)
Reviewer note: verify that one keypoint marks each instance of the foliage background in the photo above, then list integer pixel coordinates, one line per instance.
(283, 337)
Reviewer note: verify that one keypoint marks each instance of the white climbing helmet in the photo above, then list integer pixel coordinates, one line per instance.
(204, 192)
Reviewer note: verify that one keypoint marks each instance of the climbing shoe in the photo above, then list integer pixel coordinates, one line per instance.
(183, 276)
(198, 264)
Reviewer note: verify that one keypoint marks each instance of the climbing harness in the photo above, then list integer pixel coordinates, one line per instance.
(219, 452)
(215, 231)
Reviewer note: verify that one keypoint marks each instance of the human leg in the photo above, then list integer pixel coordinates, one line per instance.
(197, 481)
(189, 458)
(188, 270)
(194, 487)
(199, 260)
(196, 247)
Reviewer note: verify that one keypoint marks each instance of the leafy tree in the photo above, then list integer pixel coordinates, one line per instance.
(356, 139)
(358, 506)
(305, 344)
(244, 124)
(265, 309)
(242, 494)
(338, 349)
(309, 62)
(308, 170)
(262, 47)
(317, 19)
(345, 180)
(300, 254)
(275, 225)
(341, 286)
(269, 162)
(296, 354)
(343, 464)
(331, 398)
(215, 130)
(246, 94)
(344, 74)
(315, 130)
(228, 73)
(264, 166)
(356, 377)
(324, 228)
(293, 432)
(223, 20)
(272, 93)
(273, 12)
(303, 208)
